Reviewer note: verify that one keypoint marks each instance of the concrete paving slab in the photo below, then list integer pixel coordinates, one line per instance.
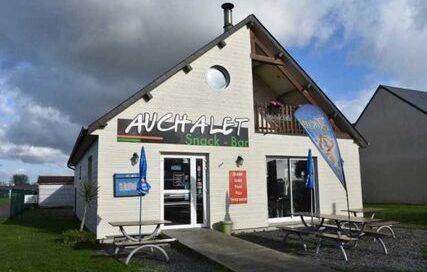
(239, 255)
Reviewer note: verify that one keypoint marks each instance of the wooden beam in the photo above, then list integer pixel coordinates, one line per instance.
(282, 68)
(252, 36)
(334, 125)
(268, 60)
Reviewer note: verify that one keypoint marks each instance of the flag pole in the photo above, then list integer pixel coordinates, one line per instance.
(140, 215)
(311, 205)
(346, 196)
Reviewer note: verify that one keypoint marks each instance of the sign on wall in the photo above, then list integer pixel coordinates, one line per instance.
(125, 185)
(179, 129)
(238, 187)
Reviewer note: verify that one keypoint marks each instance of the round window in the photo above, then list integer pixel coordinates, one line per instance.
(218, 77)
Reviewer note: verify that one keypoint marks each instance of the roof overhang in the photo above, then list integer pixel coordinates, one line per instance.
(83, 143)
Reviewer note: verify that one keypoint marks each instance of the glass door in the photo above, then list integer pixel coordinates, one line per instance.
(286, 189)
(184, 191)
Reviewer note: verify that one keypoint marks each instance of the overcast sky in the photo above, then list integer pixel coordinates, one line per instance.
(65, 63)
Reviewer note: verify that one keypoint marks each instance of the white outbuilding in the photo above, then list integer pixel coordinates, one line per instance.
(56, 191)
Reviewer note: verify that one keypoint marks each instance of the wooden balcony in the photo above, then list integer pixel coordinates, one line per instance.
(276, 120)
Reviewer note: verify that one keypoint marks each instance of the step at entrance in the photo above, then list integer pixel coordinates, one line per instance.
(239, 255)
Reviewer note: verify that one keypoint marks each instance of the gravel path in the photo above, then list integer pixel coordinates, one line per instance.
(181, 259)
(404, 251)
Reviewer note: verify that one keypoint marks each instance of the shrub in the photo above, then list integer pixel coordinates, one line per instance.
(79, 238)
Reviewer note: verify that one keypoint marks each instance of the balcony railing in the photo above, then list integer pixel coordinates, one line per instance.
(276, 120)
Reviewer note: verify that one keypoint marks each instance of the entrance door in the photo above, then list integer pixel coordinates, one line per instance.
(286, 189)
(184, 190)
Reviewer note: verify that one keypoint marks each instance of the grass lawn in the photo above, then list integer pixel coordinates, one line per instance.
(4, 200)
(33, 242)
(424, 252)
(404, 213)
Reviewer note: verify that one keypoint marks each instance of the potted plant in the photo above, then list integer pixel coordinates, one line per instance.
(274, 107)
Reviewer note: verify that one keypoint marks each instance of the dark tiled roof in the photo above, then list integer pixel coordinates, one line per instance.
(55, 180)
(417, 99)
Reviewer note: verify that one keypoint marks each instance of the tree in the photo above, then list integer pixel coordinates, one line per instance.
(19, 179)
(88, 192)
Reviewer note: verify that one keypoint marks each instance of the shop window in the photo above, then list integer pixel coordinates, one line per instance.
(218, 77)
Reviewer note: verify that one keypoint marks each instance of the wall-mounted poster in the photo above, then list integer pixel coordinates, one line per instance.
(125, 184)
(238, 187)
(178, 179)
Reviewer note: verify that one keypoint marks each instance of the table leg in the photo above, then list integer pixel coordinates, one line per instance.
(389, 229)
(155, 233)
(127, 236)
(357, 234)
(149, 246)
(316, 227)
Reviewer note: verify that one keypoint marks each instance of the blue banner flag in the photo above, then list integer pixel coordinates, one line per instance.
(320, 132)
(310, 172)
(142, 187)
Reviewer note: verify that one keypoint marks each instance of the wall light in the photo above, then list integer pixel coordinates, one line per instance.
(239, 161)
(134, 159)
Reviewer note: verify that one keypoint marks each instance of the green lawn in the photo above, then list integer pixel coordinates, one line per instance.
(33, 242)
(404, 213)
(4, 200)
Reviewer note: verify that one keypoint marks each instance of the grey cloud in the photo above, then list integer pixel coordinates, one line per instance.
(81, 58)
(78, 59)
(86, 58)
(37, 126)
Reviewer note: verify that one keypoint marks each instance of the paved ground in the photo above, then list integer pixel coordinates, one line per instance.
(4, 210)
(404, 251)
(240, 255)
(181, 259)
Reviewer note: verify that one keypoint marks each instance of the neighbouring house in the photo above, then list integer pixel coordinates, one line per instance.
(394, 165)
(56, 191)
(220, 137)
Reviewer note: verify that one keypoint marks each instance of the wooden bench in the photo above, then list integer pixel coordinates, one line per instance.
(298, 231)
(339, 239)
(378, 226)
(152, 244)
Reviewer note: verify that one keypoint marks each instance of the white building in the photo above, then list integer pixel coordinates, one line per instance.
(195, 120)
(56, 191)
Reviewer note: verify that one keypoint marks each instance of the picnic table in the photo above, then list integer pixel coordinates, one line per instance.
(150, 240)
(344, 236)
(338, 219)
(372, 211)
(378, 226)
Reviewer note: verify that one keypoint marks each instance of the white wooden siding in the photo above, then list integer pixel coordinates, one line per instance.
(92, 216)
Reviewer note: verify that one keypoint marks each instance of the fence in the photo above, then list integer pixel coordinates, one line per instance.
(277, 120)
(20, 200)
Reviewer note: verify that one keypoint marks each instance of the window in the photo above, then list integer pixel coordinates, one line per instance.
(89, 168)
(286, 189)
(80, 172)
(218, 77)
